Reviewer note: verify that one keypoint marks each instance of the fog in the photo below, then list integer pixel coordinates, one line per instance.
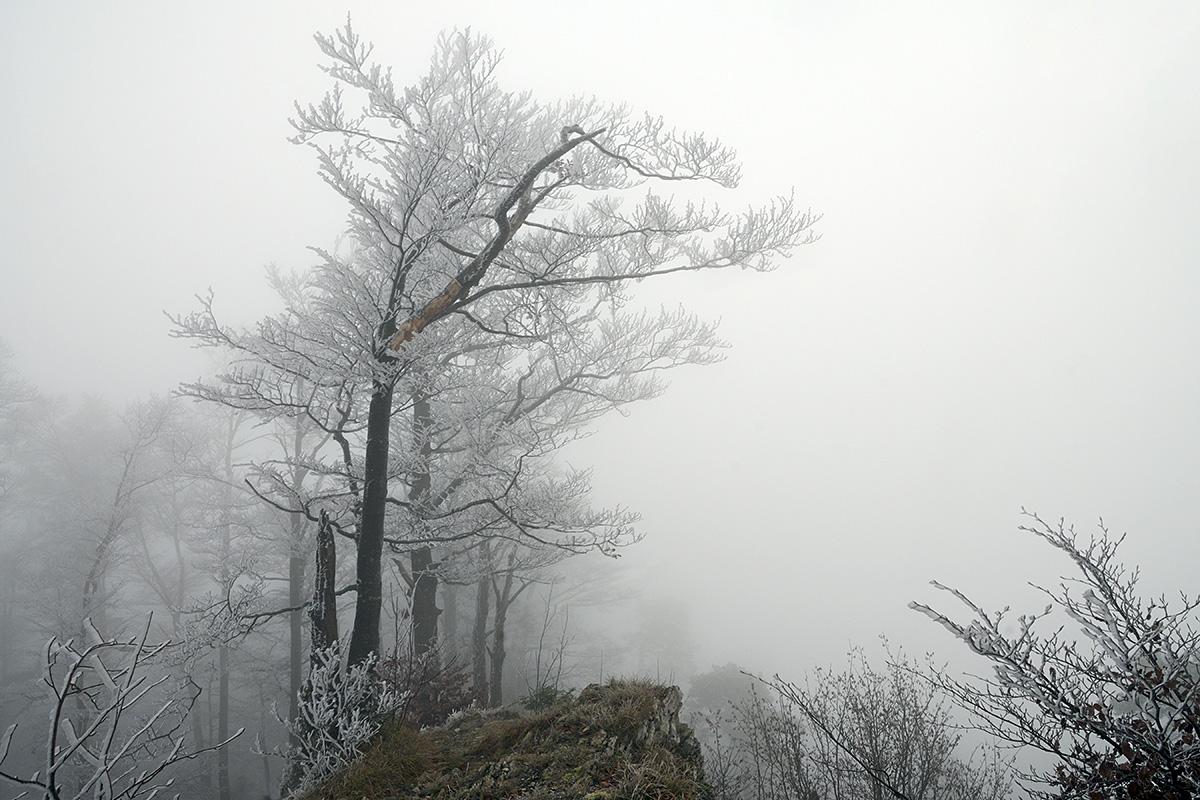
(1001, 311)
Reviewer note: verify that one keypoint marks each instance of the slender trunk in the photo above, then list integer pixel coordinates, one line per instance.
(496, 697)
(199, 742)
(296, 568)
(266, 756)
(364, 640)
(449, 638)
(424, 604)
(483, 595)
(297, 563)
(503, 599)
(95, 602)
(223, 791)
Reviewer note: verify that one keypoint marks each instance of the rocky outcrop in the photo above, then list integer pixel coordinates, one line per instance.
(618, 740)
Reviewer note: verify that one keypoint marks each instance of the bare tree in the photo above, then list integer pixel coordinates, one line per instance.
(115, 729)
(1115, 704)
(477, 214)
(860, 733)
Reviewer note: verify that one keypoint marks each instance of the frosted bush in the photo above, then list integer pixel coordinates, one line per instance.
(339, 711)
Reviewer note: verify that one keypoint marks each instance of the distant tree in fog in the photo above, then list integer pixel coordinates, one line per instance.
(1115, 702)
(846, 735)
(493, 236)
(20, 407)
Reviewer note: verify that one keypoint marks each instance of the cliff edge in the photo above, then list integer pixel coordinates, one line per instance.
(615, 741)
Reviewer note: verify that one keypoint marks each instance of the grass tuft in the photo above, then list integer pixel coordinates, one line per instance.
(391, 762)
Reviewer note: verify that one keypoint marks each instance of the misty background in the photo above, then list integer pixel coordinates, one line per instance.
(1001, 312)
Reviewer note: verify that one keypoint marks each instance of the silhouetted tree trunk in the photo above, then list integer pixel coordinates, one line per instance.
(496, 695)
(505, 597)
(364, 640)
(449, 637)
(483, 595)
(323, 611)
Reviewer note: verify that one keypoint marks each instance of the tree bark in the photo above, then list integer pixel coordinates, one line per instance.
(364, 640)
(449, 637)
(496, 696)
(424, 606)
(504, 598)
(424, 571)
(483, 595)
(323, 611)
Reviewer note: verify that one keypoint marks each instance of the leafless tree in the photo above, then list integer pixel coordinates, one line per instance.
(483, 225)
(1114, 701)
(860, 733)
(116, 728)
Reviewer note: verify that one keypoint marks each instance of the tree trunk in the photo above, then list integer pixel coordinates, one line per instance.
(268, 784)
(483, 594)
(199, 742)
(296, 565)
(223, 791)
(504, 598)
(424, 606)
(496, 697)
(323, 611)
(364, 640)
(424, 603)
(94, 605)
(449, 637)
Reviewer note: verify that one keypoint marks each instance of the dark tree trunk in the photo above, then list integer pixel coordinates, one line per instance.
(323, 611)
(449, 637)
(483, 595)
(364, 640)
(496, 697)
(504, 598)
(424, 606)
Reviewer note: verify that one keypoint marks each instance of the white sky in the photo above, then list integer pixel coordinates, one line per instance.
(1003, 310)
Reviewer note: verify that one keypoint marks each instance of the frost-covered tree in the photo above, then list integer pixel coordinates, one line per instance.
(340, 709)
(116, 721)
(1103, 681)
(483, 225)
(858, 733)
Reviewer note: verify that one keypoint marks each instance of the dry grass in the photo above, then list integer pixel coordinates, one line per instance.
(391, 762)
(588, 748)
